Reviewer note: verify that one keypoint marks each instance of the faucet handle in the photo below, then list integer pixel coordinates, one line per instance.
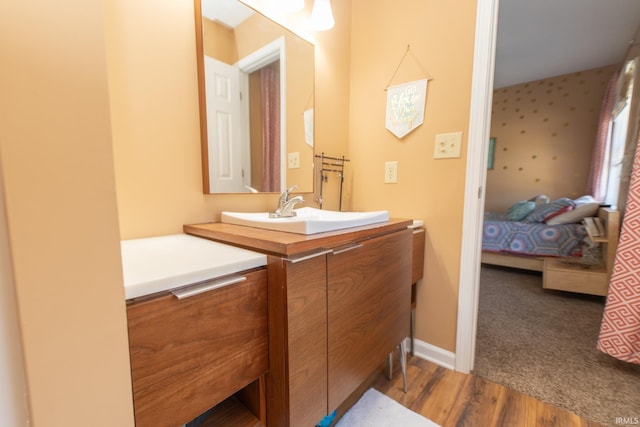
(290, 189)
(284, 196)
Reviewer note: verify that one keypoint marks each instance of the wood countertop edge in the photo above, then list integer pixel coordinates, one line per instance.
(288, 244)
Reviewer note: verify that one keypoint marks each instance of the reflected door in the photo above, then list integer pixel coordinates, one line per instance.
(226, 163)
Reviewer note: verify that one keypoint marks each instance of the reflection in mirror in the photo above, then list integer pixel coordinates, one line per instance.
(256, 85)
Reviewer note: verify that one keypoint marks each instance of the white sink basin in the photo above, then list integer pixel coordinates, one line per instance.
(307, 220)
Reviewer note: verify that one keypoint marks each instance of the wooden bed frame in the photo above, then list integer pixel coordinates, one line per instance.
(567, 277)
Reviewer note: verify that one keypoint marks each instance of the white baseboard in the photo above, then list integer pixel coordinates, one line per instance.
(433, 354)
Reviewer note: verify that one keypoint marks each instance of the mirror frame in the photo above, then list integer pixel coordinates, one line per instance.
(202, 100)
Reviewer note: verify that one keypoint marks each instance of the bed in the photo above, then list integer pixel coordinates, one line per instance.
(569, 257)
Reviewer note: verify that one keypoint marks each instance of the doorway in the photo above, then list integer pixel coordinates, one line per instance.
(476, 175)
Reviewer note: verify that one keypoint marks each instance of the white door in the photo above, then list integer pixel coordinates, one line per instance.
(224, 130)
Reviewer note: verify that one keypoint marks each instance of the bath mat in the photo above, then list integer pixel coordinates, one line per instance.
(374, 409)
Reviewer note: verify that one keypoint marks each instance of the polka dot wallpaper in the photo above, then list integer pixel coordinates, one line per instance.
(544, 131)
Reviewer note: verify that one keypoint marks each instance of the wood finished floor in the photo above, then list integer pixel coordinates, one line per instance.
(451, 398)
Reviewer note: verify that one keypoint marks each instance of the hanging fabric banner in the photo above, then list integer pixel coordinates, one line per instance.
(405, 107)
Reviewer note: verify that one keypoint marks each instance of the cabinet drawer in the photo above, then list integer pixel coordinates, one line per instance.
(563, 277)
(188, 355)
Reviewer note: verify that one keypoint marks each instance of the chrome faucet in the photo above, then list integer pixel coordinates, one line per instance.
(285, 204)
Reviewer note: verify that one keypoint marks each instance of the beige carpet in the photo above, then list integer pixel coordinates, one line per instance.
(543, 344)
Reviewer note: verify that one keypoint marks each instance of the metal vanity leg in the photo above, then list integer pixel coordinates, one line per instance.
(412, 325)
(403, 364)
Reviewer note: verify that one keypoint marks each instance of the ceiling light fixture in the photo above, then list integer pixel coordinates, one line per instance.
(293, 6)
(322, 15)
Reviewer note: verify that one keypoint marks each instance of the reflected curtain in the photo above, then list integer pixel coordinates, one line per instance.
(270, 95)
(597, 183)
(620, 328)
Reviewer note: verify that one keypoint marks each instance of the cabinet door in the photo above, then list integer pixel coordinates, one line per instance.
(368, 302)
(297, 381)
(188, 355)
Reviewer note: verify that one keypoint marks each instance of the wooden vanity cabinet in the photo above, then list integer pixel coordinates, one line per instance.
(188, 355)
(339, 303)
(335, 315)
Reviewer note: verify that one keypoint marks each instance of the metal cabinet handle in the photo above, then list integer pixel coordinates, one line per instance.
(308, 256)
(347, 248)
(207, 286)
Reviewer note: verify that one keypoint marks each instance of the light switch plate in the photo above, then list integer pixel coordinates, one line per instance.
(447, 145)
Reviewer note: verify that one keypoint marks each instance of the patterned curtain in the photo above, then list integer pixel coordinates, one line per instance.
(270, 93)
(620, 329)
(597, 184)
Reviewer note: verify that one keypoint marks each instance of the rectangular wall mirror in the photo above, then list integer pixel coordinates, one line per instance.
(256, 90)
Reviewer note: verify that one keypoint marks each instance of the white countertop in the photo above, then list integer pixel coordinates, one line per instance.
(156, 264)
(417, 223)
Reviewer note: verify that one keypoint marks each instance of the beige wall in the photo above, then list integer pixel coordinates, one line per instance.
(219, 42)
(441, 36)
(545, 131)
(59, 184)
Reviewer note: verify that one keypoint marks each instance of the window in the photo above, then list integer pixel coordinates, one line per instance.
(618, 138)
(613, 137)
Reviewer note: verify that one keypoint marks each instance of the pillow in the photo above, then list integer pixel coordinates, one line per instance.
(547, 211)
(520, 210)
(540, 199)
(584, 199)
(559, 212)
(576, 215)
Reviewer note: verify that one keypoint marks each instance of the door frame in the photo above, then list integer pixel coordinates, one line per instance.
(271, 52)
(476, 176)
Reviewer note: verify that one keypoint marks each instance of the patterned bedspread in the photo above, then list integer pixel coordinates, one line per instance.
(527, 238)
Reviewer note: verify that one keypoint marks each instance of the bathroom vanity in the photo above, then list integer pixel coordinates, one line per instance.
(338, 304)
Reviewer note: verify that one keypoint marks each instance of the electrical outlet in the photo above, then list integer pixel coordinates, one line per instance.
(447, 145)
(294, 160)
(390, 172)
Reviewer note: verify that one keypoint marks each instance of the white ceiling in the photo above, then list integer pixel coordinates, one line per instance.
(229, 12)
(546, 38)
